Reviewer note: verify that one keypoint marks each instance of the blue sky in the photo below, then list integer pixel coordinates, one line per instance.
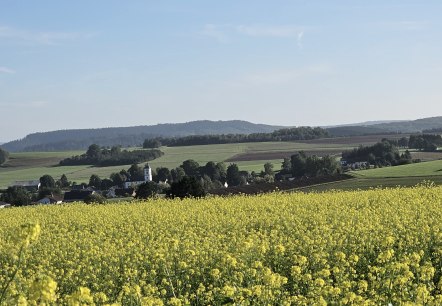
(82, 64)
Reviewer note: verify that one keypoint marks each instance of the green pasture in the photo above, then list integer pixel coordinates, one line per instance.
(424, 169)
(406, 175)
(32, 165)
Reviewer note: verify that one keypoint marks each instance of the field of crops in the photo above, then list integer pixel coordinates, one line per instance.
(374, 247)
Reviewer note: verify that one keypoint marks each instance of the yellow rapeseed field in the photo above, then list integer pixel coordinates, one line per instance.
(376, 247)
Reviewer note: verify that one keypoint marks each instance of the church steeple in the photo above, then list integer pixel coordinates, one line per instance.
(147, 173)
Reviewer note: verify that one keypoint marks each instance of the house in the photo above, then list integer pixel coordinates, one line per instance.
(76, 195)
(28, 185)
(50, 200)
(4, 205)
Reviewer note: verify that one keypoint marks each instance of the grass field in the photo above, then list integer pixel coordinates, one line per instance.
(248, 156)
(406, 175)
(32, 165)
(431, 168)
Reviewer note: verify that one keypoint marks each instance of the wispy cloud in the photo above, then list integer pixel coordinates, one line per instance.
(225, 32)
(41, 37)
(6, 70)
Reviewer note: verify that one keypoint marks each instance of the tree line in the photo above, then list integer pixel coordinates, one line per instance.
(384, 153)
(102, 157)
(4, 156)
(289, 134)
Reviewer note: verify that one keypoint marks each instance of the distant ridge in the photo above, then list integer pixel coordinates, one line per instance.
(366, 123)
(409, 126)
(78, 139)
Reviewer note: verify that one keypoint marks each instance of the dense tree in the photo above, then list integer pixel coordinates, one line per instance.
(136, 173)
(403, 142)
(313, 165)
(233, 175)
(163, 174)
(286, 166)
(64, 181)
(95, 181)
(111, 157)
(222, 170)
(4, 155)
(298, 162)
(106, 184)
(94, 198)
(17, 196)
(118, 179)
(425, 142)
(190, 167)
(47, 181)
(94, 151)
(152, 143)
(186, 187)
(147, 190)
(381, 154)
(177, 174)
(268, 169)
(288, 134)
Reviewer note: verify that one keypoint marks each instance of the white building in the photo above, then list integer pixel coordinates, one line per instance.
(147, 178)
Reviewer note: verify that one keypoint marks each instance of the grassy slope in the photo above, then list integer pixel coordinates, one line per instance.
(406, 175)
(431, 168)
(32, 165)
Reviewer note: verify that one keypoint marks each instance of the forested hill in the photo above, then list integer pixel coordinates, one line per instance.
(412, 126)
(129, 136)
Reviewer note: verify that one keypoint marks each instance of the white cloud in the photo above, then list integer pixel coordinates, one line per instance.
(6, 70)
(39, 37)
(224, 33)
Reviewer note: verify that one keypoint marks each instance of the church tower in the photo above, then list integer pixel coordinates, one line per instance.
(147, 173)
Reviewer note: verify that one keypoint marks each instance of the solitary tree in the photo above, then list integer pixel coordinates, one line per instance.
(163, 174)
(177, 174)
(4, 155)
(147, 190)
(47, 181)
(190, 167)
(94, 151)
(187, 187)
(64, 181)
(268, 168)
(233, 175)
(17, 196)
(95, 181)
(136, 173)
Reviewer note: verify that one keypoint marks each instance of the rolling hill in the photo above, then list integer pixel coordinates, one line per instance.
(78, 139)
(394, 127)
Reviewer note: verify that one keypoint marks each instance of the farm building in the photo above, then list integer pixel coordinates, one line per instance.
(4, 205)
(28, 185)
(76, 195)
(50, 200)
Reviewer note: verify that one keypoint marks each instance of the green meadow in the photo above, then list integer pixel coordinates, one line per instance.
(32, 165)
